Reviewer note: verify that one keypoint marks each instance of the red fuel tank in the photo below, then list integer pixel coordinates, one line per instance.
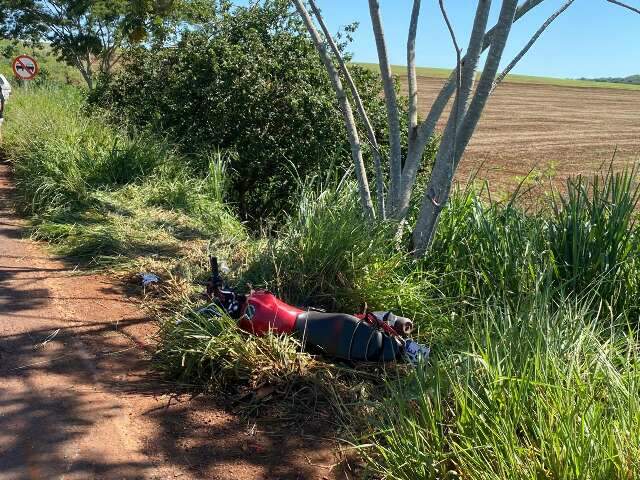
(263, 311)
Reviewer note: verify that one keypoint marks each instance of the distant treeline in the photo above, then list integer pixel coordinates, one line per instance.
(633, 79)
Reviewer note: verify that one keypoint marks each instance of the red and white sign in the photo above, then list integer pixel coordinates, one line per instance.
(25, 67)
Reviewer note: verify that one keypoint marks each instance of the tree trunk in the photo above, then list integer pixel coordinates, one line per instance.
(451, 151)
(391, 102)
(361, 110)
(87, 76)
(345, 108)
(412, 81)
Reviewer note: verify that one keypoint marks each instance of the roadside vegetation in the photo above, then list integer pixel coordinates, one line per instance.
(532, 315)
(531, 311)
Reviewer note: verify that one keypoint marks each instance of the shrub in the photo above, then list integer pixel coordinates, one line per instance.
(250, 82)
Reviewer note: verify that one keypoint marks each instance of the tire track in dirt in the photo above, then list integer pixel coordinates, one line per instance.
(78, 401)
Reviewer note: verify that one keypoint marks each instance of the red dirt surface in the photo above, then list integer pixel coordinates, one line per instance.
(559, 131)
(78, 400)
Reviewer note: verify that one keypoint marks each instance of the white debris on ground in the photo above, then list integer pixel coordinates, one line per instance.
(149, 279)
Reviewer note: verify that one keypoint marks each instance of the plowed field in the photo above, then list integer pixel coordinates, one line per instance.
(555, 131)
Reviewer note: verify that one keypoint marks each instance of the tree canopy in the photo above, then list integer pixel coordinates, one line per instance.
(89, 34)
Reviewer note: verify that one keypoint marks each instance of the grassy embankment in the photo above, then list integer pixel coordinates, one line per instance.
(532, 316)
(512, 78)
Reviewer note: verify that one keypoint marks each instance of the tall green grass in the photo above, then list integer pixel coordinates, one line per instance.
(532, 314)
(583, 244)
(61, 155)
(316, 257)
(103, 194)
(549, 391)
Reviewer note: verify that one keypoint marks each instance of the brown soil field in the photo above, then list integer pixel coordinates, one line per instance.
(554, 131)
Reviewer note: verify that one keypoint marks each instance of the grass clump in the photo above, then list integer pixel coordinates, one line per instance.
(214, 351)
(593, 238)
(315, 257)
(539, 393)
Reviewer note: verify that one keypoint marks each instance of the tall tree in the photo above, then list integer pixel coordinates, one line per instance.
(89, 34)
(469, 91)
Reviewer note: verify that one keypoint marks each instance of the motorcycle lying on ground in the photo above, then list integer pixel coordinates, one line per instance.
(369, 336)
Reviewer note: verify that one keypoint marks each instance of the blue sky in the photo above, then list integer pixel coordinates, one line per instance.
(592, 38)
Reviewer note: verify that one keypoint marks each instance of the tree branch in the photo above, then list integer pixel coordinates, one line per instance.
(503, 28)
(624, 5)
(412, 80)
(395, 158)
(360, 107)
(530, 43)
(345, 107)
(428, 125)
(455, 115)
(445, 163)
(426, 129)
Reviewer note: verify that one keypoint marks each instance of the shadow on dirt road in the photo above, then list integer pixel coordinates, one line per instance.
(79, 400)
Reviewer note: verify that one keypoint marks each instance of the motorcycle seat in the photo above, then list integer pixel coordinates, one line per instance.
(346, 337)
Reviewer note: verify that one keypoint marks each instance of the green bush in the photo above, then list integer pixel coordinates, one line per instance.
(250, 82)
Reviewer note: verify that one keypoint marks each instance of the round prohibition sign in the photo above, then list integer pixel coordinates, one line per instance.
(25, 67)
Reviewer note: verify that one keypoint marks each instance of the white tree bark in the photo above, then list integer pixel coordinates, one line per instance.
(439, 187)
(393, 117)
(345, 107)
(424, 132)
(371, 135)
(412, 80)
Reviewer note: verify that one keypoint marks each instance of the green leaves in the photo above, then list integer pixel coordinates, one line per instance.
(87, 34)
(249, 81)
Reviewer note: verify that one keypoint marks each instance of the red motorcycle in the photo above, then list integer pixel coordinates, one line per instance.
(370, 336)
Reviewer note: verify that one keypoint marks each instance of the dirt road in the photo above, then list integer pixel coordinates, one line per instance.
(78, 401)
